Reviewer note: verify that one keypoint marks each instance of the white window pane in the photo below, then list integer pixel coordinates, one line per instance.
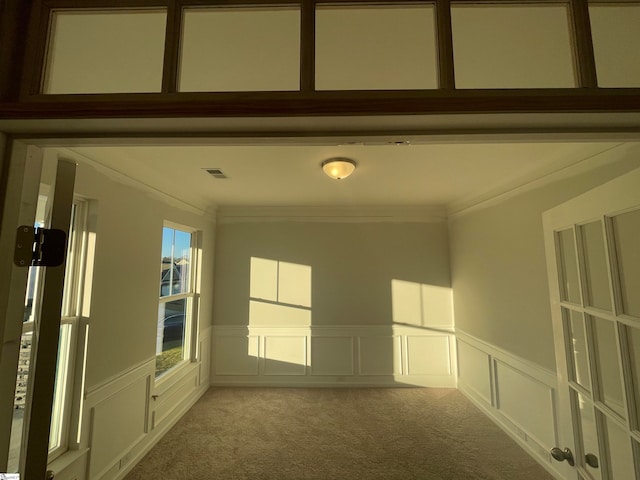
(578, 347)
(608, 367)
(105, 52)
(616, 44)
(626, 232)
(568, 268)
(240, 49)
(512, 46)
(595, 266)
(633, 335)
(378, 48)
(589, 432)
(170, 339)
(620, 452)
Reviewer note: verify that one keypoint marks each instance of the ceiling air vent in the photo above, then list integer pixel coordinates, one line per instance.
(215, 172)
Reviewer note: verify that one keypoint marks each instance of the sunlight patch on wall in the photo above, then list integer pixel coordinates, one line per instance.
(421, 305)
(280, 293)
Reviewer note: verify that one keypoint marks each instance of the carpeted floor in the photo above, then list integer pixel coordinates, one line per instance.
(342, 434)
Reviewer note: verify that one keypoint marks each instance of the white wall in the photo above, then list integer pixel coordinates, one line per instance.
(125, 410)
(372, 303)
(498, 264)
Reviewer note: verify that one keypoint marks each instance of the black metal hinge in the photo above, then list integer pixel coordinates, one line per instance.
(39, 247)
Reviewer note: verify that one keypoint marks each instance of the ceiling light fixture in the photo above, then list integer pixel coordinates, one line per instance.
(338, 168)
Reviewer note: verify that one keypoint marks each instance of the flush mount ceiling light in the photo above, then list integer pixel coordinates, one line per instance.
(338, 168)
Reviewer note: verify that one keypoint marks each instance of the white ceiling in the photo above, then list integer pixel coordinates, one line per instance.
(416, 175)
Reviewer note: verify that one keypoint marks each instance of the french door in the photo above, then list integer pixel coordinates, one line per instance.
(32, 379)
(593, 259)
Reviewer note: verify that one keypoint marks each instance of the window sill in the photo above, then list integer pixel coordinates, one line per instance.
(65, 460)
(165, 381)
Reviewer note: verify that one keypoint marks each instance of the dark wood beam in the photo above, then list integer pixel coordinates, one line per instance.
(14, 21)
(265, 104)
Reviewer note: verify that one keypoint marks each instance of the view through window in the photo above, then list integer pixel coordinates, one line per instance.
(176, 299)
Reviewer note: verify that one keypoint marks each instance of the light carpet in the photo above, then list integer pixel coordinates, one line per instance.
(328, 433)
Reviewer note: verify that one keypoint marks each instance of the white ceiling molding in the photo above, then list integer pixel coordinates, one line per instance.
(125, 179)
(332, 214)
(535, 180)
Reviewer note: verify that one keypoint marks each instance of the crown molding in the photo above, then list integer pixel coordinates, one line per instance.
(379, 214)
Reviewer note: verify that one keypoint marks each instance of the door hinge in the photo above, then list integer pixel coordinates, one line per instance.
(39, 247)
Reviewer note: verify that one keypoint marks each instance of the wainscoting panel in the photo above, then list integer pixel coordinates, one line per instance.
(125, 399)
(236, 355)
(428, 355)
(285, 355)
(524, 395)
(397, 355)
(381, 355)
(474, 371)
(331, 356)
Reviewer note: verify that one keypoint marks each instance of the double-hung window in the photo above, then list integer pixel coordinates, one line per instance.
(176, 310)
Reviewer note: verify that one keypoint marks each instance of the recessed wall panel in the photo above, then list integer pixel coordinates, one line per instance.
(512, 46)
(285, 355)
(331, 356)
(236, 355)
(375, 48)
(616, 44)
(428, 355)
(240, 49)
(380, 355)
(105, 52)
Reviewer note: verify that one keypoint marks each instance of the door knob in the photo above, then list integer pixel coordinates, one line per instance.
(591, 460)
(562, 455)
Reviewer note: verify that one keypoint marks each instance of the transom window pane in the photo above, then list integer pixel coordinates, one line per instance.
(512, 46)
(240, 49)
(616, 44)
(375, 48)
(105, 52)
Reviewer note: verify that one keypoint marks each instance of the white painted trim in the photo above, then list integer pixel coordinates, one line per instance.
(535, 371)
(126, 180)
(537, 179)
(115, 383)
(530, 371)
(332, 214)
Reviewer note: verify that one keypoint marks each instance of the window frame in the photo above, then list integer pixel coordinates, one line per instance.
(190, 335)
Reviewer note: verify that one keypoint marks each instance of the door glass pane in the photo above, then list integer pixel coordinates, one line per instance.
(578, 347)
(240, 49)
(589, 432)
(170, 338)
(616, 44)
(626, 233)
(620, 452)
(597, 292)
(105, 52)
(376, 47)
(608, 366)
(512, 46)
(569, 284)
(633, 335)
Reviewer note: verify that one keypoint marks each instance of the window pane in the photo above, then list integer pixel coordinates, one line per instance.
(105, 52)
(578, 348)
(620, 452)
(170, 337)
(175, 263)
(512, 46)
(569, 283)
(589, 432)
(382, 47)
(626, 233)
(597, 292)
(608, 366)
(633, 334)
(616, 44)
(240, 49)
